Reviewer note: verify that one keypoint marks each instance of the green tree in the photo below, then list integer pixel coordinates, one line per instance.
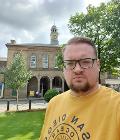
(17, 75)
(102, 24)
(59, 58)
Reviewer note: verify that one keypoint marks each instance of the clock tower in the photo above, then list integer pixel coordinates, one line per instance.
(54, 35)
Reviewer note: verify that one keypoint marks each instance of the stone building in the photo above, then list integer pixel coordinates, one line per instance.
(40, 59)
(3, 63)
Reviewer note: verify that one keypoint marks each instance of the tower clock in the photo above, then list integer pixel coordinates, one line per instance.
(54, 35)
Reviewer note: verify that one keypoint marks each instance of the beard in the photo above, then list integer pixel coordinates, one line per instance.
(80, 88)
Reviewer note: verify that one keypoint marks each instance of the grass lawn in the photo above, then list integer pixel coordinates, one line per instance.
(21, 125)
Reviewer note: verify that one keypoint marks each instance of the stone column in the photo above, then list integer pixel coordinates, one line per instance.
(40, 89)
(38, 78)
(51, 79)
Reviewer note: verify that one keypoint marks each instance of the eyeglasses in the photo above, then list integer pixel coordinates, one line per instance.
(84, 63)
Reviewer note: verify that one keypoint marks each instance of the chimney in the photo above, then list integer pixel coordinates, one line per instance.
(12, 41)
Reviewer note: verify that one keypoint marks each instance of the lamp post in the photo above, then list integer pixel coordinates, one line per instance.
(99, 59)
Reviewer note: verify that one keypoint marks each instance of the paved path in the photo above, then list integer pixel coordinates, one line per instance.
(22, 105)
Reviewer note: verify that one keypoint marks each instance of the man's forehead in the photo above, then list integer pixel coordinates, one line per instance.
(80, 46)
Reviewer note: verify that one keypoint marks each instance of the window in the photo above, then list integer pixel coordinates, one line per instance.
(33, 61)
(45, 61)
(1, 89)
(55, 62)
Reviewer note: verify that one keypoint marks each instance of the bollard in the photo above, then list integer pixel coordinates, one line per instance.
(29, 104)
(8, 102)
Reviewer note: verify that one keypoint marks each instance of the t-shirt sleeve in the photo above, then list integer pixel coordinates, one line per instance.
(118, 119)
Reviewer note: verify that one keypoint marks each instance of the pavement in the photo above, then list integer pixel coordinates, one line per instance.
(23, 104)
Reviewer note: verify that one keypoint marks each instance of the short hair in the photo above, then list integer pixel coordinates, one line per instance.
(78, 40)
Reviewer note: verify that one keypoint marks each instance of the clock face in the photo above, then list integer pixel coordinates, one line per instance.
(54, 36)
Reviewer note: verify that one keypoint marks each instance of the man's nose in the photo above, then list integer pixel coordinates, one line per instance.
(78, 68)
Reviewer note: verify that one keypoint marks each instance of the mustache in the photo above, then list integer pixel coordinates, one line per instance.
(78, 76)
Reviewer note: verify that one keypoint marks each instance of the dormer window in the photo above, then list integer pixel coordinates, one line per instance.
(33, 61)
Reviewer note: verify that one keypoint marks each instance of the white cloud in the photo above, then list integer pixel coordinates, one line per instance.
(30, 20)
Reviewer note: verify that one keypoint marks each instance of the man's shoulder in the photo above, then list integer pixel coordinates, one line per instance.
(110, 93)
(110, 90)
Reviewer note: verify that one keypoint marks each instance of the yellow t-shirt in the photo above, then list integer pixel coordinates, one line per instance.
(95, 116)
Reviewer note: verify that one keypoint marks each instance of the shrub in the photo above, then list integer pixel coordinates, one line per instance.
(50, 94)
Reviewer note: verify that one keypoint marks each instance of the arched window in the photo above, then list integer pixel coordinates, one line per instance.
(33, 61)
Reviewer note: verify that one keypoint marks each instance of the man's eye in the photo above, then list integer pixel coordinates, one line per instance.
(70, 63)
(86, 62)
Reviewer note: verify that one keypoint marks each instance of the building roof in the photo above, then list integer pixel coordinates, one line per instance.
(32, 45)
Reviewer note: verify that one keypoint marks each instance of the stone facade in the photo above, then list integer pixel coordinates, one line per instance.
(40, 60)
(37, 50)
(3, 63)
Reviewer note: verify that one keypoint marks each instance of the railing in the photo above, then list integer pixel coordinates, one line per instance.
(23, 104)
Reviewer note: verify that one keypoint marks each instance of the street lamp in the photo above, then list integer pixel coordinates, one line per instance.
(99, 59)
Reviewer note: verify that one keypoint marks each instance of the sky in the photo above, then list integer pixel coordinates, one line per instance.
(30, 21)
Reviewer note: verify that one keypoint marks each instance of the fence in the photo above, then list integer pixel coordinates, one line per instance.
(23, 104)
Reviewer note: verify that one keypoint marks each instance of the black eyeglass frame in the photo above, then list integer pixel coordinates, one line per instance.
(79, 61)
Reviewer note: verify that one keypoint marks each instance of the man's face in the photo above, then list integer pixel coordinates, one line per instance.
(81, 79)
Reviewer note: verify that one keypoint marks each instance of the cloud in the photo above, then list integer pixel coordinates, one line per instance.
(19, 14)
(30, 15)
(30, 20)
(61, 8)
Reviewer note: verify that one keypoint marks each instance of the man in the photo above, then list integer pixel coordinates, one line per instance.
(88, 111)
